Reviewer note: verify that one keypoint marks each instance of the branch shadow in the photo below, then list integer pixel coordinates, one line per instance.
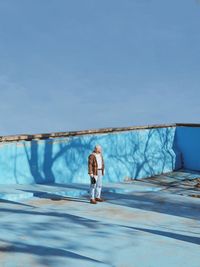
(185, 238)
(38, 250)
(156, 203)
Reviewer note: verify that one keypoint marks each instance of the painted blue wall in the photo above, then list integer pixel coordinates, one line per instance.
(188, 142)
(136, 154)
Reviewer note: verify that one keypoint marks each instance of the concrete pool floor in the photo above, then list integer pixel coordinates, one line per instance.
(148, 223)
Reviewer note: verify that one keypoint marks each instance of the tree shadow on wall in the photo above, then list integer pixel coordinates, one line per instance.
(41, 165)
(140, 156)
(147, 158)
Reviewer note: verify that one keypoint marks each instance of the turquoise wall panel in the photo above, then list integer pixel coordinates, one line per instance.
(188, 142)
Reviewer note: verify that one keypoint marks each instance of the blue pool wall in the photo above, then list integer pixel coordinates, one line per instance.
(129, 154)
(188, 142)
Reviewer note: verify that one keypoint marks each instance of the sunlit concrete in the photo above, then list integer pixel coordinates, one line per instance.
(146, 223)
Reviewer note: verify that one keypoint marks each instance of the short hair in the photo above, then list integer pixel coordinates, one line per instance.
(97, 146)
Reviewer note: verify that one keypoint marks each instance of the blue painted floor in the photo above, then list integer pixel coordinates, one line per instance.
(148, 223)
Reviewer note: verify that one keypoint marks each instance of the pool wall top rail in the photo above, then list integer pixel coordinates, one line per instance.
(29, 137)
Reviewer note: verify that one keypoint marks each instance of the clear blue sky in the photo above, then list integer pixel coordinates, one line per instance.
(82, 64)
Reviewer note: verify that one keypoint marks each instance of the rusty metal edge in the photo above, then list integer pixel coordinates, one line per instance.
(188, 124)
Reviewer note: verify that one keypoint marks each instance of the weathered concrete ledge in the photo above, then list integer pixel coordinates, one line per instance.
(29, 137)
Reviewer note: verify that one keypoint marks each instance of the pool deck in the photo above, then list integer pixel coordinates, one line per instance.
(142, 223)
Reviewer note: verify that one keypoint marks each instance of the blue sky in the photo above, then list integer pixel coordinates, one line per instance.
(83, 64)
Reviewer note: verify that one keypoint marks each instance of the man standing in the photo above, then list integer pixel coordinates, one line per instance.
(96, 171)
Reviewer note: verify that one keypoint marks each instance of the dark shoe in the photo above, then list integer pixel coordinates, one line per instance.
(99, 199)
(93, 201)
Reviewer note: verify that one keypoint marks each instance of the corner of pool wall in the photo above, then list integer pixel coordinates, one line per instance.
(188, 142)
(134, 152)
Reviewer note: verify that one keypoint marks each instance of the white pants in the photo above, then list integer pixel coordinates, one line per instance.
(95, 189)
